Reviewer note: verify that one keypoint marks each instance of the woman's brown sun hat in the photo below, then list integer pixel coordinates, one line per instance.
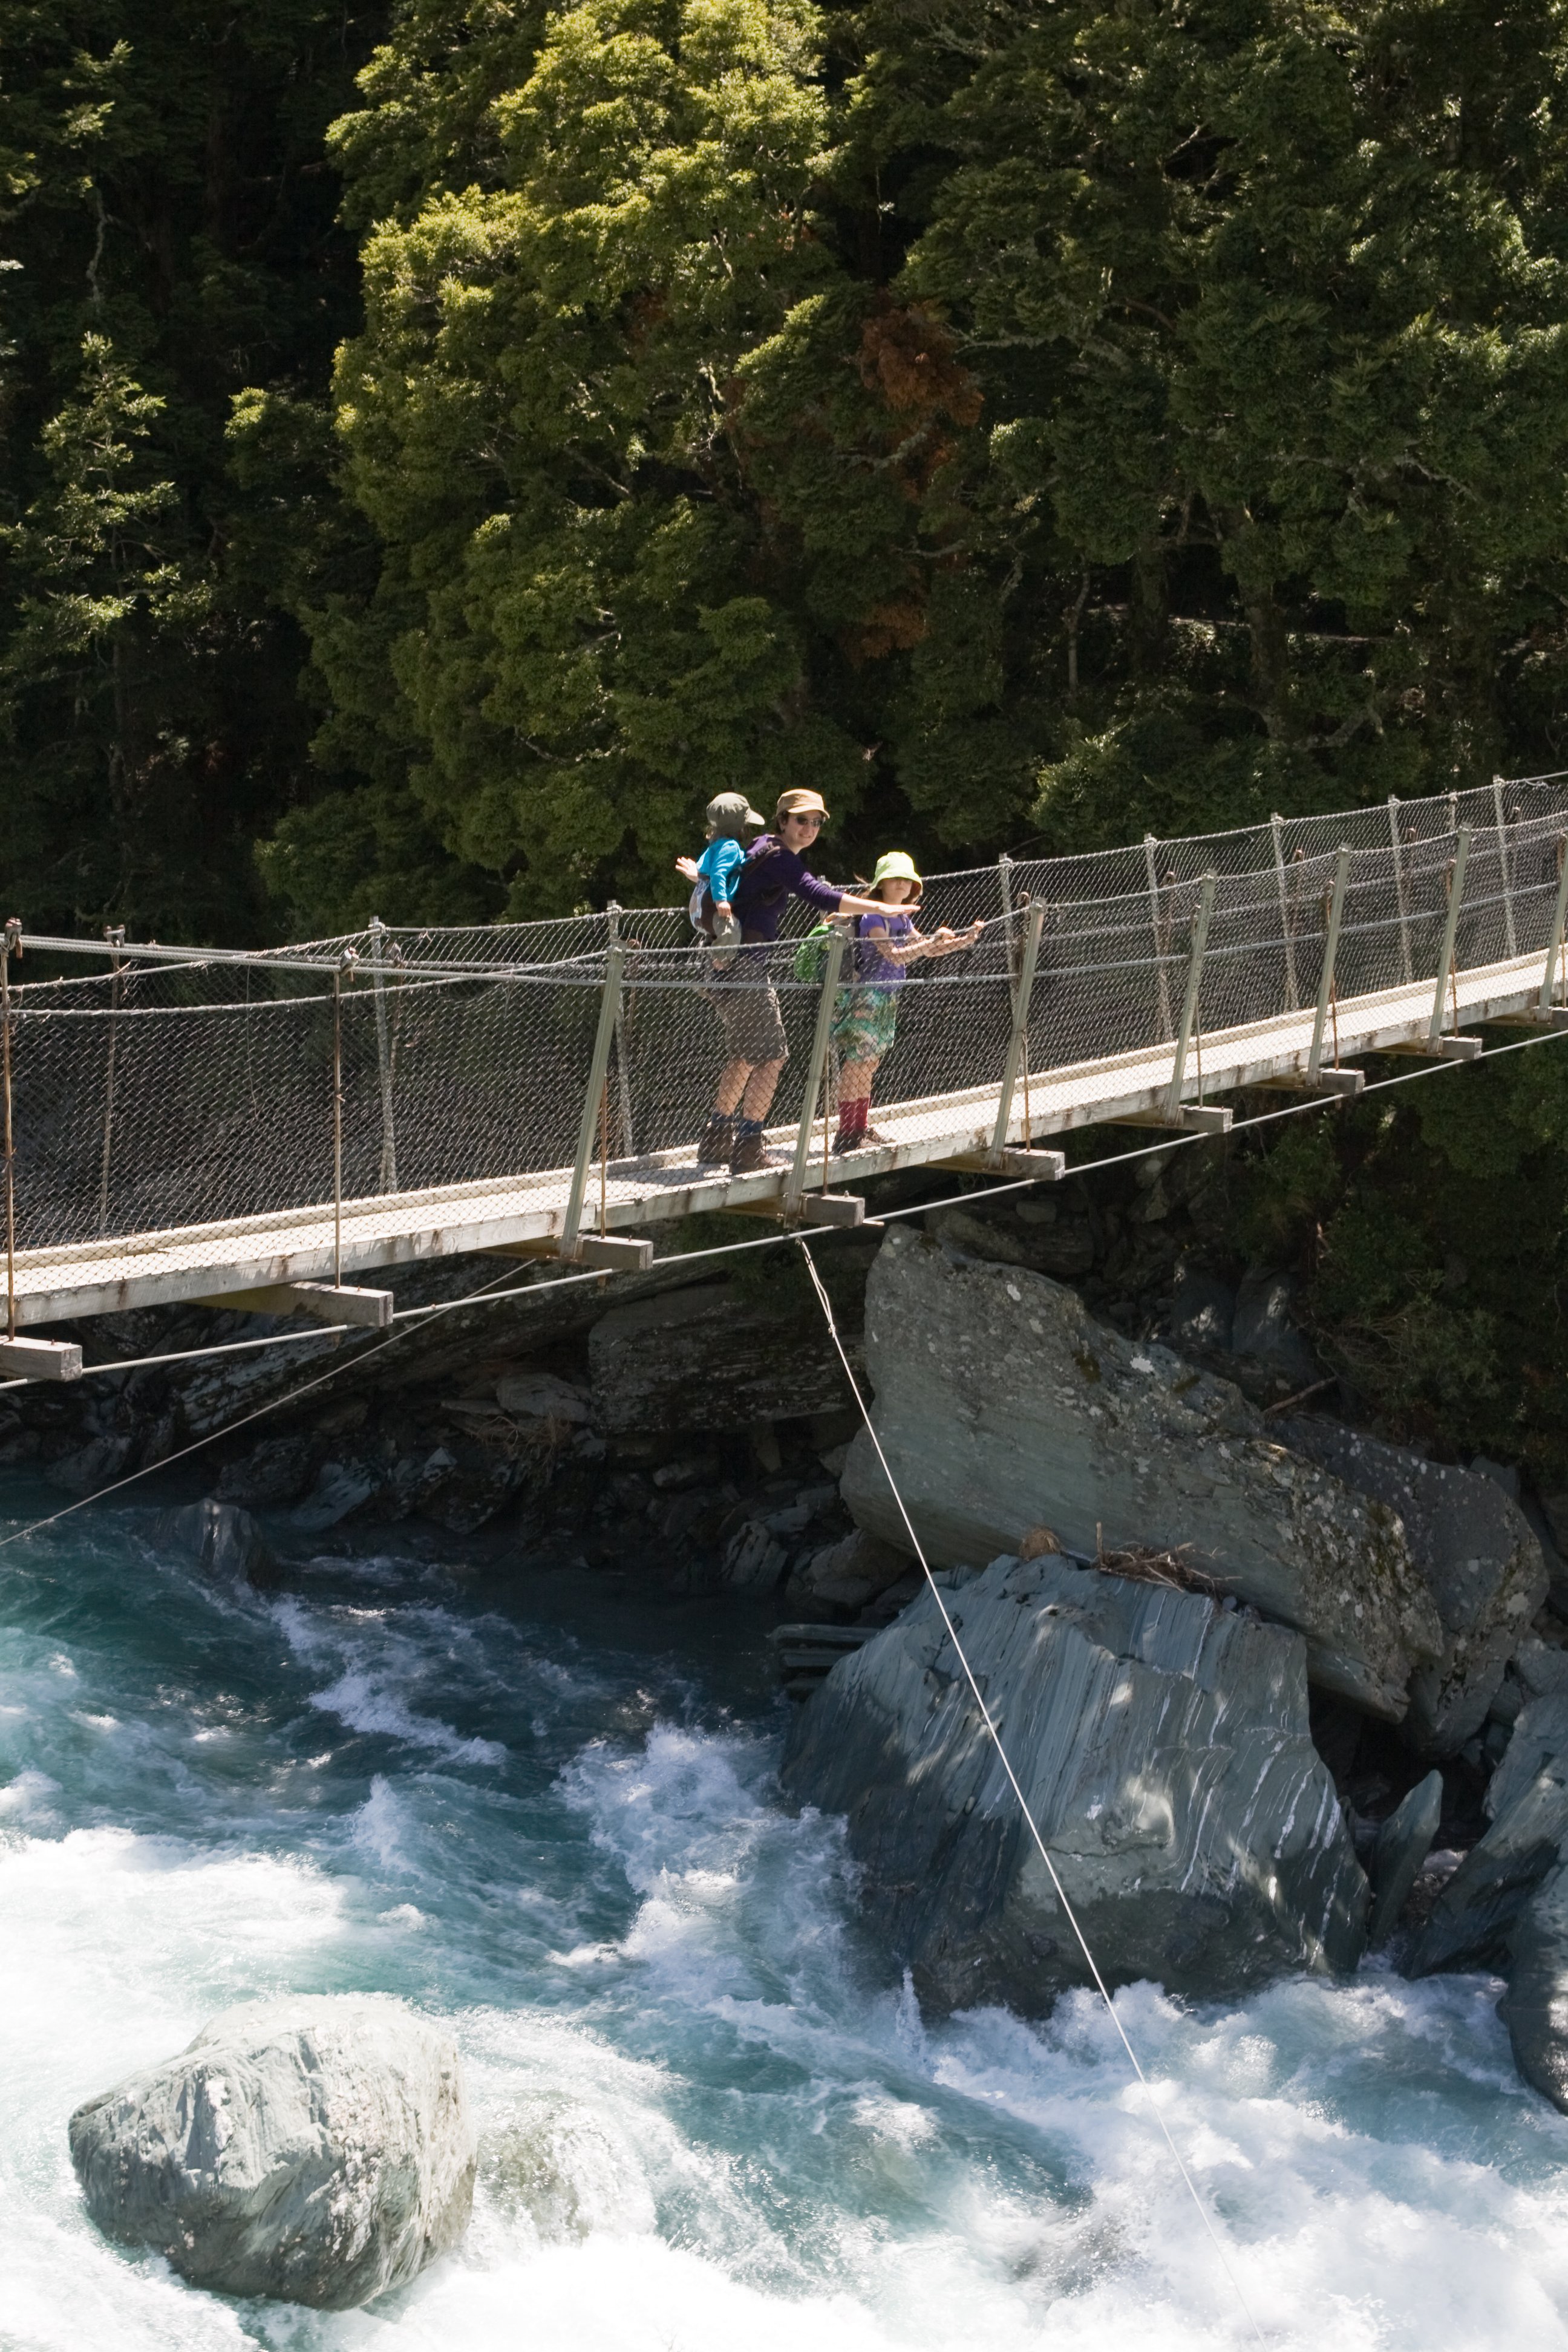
(800, 804)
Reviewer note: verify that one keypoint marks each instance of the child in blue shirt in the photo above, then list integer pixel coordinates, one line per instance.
(714, 874)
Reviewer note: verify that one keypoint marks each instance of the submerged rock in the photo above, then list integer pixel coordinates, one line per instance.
(1535, 2007)
(1403, 1842)
(1477, 1555)
(1003, 1405)
(1162, 1747)
(219, 1538)
(1473, 1916)
(317, 2149)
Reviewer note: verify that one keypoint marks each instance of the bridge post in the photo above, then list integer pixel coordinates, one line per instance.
(1200, 941)
(1276, 825)
(1400, 898)
(1451, 929)
(1560, 917)
(1018, 1041)
(384, 1062)
(623, 1081)
(609, 1007)
(1330, 949)
(10, 944)
(1159, 929)
(1503, 869)
(795, 1187)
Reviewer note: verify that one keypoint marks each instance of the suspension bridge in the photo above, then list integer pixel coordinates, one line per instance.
(254, 1128)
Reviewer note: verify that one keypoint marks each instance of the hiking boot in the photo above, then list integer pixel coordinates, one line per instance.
(846, 1142)
(750, 1153)
(718, 1137)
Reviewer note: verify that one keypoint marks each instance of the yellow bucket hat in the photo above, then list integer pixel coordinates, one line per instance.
(896, 867)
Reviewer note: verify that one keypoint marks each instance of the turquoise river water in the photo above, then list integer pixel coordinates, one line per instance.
(712, 2116)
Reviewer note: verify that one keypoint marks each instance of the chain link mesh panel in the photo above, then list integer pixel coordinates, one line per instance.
(199, 1091)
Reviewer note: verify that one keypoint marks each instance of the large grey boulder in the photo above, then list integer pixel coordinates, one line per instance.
(1477, 1554)
(316, 2150)
(1473, 1916)
(1003, 1405)
(1162, 1744)
(1535, 2007)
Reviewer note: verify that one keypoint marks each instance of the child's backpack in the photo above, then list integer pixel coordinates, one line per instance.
(811, 956)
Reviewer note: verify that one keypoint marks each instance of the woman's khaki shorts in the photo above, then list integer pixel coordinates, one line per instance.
(748, 1010)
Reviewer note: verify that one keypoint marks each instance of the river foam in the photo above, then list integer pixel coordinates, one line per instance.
(710, 2113)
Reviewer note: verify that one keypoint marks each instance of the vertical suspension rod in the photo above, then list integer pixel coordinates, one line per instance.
(1504, 868)
(1287, 930)
(1560, 917)
(338, 1130)
(609, 1007)
(1200, 941)
(795, 1189)
(1330, 950)
(1451, 930)
(384, 1062)
(1399, 898)
(1019, 1037)
(1161, 982)
(10, 944)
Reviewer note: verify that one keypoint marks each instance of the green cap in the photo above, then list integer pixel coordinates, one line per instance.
(730, 812)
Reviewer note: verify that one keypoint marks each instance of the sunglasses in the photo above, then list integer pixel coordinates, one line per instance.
(801, 816)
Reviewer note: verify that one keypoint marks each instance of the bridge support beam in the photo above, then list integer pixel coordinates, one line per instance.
(1190, 1000)
(598, 1066)
(1559, 916)
(1326, 974)
(1450, 931)
(40, 1360)
(1018, 1039)
(795, 1184)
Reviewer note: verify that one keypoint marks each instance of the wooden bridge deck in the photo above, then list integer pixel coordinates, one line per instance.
(255, 1253)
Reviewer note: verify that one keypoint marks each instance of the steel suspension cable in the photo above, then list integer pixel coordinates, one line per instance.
(1014, 1783)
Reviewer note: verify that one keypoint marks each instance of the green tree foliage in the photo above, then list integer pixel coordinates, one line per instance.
(1015, 420)
(170, 239)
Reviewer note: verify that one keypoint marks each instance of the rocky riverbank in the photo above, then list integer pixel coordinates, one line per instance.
(1330, 1669)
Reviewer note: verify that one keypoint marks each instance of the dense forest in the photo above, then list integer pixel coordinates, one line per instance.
(445, 441)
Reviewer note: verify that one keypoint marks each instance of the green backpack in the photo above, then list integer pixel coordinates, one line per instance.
(811, 956)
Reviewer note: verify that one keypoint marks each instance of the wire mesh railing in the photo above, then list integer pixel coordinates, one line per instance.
(198, 1089)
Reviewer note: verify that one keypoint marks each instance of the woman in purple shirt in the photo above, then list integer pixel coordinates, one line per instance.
(743, 995)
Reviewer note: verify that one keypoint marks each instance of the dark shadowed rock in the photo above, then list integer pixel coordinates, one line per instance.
(1003, 1405)
(1265, 1327)
(1479, 1561)
(706, 1358)
(1473, 1918)
(1403, 1842)
(1539, 1735)
(1162, 1747)
(317, 2149)
(1535, 2007)
(219, 1538)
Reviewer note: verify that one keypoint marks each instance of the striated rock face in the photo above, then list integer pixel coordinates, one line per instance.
(1473, 1916)
(1535, 2007)
(1477, 1556)
(1003, 1405)
(315, 2149)
(1162, 1747)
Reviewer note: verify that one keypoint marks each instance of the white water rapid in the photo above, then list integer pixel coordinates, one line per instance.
(711, 2117)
